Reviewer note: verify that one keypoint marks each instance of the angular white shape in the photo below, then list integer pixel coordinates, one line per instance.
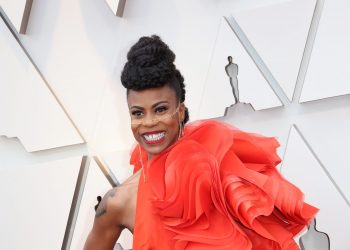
(36, 200)
(117, 6)
(112, 130)
(301, 168)
(217, 93)
(329, 135)
(28, 109)
(272, 122)
(113, 4)
(279, 32)
(118, 163)
(18, 12)
(328, 73)
(77, 63)
(96, 185)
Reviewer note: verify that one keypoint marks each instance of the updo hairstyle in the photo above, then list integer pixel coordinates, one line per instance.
(150, 65)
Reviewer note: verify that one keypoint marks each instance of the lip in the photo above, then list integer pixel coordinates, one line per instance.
(153, 142)
(152, 132)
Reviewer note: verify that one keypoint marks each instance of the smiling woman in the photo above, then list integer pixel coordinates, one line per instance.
(205, 185)
(156, 117)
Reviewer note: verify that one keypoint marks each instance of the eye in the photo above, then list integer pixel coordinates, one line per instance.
(136, 113)
(161, 109)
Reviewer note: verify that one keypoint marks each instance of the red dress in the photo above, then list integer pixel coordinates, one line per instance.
(217, 188)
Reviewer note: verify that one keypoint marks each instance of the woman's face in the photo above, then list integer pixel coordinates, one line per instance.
(155, 118)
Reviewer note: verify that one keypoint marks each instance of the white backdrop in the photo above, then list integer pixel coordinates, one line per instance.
(61, 98)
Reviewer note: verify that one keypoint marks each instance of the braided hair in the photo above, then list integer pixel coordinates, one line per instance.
(150, 65)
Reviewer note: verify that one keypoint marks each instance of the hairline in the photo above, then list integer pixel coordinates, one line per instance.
(171, 86)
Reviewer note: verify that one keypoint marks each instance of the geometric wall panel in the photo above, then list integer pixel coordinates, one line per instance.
(36, 200)
(113, 125)
(301, 168)
(328, 72)
(217, 93)
(18, 12)
(279, 32)
(118, 163)
(117, 6)
(274, 122)
(28, 110)
(328, 134)
(96, 185)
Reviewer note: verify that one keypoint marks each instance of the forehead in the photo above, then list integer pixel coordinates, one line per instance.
(150, 96)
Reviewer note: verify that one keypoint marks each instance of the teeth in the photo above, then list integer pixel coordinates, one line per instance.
(154, 137)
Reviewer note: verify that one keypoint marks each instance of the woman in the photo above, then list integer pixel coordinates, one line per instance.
(205, 185)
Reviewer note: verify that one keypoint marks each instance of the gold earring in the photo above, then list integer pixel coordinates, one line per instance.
(141, 161)
(181, 132)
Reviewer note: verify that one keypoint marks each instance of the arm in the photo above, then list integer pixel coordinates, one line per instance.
(107, 225)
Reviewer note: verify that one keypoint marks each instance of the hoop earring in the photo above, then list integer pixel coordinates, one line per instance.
(181, 132)
(141, 161)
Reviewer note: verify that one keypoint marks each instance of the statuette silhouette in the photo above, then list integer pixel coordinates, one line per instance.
(314, 239)
(232, 71)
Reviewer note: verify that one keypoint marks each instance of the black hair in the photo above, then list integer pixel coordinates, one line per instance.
(150, 65)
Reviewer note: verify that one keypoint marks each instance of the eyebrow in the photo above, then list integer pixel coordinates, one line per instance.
(154, 105)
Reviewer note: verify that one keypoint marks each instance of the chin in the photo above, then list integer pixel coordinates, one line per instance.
(154, 147)
(153, 150)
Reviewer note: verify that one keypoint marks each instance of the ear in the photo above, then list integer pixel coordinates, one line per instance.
(182, 108)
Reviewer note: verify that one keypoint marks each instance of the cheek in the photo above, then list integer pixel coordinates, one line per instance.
(135, 132)
(173, 126)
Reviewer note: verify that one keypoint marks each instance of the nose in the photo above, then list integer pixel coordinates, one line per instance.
(149, 121)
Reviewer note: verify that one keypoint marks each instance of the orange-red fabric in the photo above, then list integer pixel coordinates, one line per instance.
(216, 188)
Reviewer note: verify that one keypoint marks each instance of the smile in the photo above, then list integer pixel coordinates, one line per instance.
(154, 138)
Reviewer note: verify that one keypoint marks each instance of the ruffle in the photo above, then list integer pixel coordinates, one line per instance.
(218, 188)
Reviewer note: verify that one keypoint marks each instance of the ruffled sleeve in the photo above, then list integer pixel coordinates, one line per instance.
(271, 208)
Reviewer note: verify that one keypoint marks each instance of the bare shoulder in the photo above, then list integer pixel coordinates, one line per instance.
(110, 201)
(118, 201)
(115, 212)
